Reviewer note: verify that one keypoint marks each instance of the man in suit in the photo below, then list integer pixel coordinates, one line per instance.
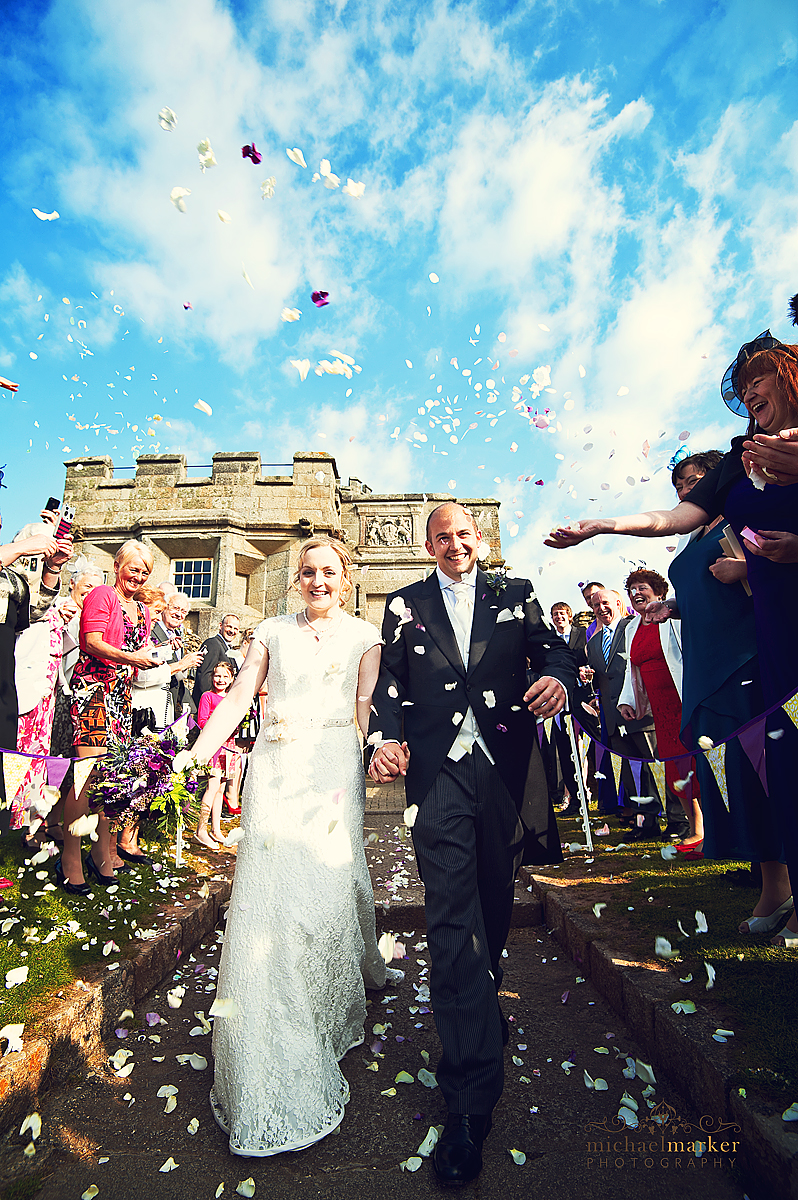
(606, 656)
(168, 630)
(576, 641)
(216, 650)
(454, 716)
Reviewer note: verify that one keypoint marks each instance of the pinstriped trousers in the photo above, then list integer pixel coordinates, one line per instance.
(468, 841)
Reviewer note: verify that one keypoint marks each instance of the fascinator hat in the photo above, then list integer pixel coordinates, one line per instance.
(729, 388)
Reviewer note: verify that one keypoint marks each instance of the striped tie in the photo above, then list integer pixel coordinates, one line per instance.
(606, 639)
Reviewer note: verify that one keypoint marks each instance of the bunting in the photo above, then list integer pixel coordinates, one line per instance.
(15, 770)
(83, 768)
(617, 763)
(716, 757)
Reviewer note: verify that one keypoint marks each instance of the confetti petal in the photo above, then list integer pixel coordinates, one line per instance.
(223, 1008)
(169, 1165)
(177, 196)
(291, 314)
(43, 216)
(297, 156)
(167, 119)
(518, 1157)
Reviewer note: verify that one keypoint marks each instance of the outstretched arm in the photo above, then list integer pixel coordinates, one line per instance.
(660, 522)
(229, 714)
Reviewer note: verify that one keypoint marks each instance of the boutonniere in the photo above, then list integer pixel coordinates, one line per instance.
(496, 581)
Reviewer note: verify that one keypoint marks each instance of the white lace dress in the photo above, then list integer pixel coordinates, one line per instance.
(300, 937)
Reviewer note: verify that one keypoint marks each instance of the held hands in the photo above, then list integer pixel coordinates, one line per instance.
(776, 457)
(546, 698)
(778, 546)
(388, 761)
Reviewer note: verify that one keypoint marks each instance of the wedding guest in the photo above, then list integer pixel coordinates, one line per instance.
(215, 650)
(18, 610)
(222, 764)
(85, 576)
(653, 685)
(168, 631)
(576, 641)
(301, 882)
(454, 716)
(631, 739)
(756, 488)
(721, 693)
(114, 632)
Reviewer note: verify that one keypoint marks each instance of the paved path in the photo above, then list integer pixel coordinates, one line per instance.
(554, 1118)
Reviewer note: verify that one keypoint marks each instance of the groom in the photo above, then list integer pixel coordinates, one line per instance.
(454, 714)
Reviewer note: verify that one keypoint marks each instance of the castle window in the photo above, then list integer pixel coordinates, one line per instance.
(193, 576)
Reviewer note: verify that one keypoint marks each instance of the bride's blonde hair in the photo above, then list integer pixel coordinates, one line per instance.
(317, 543)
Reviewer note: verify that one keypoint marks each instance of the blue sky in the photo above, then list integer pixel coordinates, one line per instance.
(606, 190)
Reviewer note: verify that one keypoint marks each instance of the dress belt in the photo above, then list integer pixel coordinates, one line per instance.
(332, 723)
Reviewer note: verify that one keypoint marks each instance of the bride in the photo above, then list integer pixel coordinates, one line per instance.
(300, 940)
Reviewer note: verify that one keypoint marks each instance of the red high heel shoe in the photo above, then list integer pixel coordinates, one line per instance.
(234, 812)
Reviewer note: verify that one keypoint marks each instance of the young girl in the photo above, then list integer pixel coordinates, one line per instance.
(222, 764)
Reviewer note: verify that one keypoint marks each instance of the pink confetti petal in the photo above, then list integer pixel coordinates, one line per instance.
(564, 997)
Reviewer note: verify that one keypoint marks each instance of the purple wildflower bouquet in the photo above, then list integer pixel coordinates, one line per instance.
(134, 781)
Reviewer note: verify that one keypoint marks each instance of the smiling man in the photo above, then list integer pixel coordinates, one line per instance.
(454, 714)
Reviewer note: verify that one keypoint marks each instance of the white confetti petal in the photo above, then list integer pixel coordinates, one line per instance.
(177, 195)
(247, 1186)
(169, 1165)
(223, 1008)
(43, 216)
(297, 156)
(167, 119)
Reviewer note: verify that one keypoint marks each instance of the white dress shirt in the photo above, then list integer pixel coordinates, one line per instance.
(468, 733)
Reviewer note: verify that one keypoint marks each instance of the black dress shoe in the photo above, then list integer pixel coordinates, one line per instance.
(141, 859)
(73, 889)
(457, 1157)
(93, 869)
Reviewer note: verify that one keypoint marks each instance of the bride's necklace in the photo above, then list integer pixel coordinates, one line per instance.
(331, 623)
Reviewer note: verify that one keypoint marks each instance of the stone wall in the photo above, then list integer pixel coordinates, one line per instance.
(251, 526)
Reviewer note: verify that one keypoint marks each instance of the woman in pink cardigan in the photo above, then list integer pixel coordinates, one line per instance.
(114, 632)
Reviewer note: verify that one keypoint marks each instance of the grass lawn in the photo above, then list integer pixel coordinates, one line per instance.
(56, 935)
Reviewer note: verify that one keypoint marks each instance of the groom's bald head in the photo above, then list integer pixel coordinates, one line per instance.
(453, 539)
(450, 507)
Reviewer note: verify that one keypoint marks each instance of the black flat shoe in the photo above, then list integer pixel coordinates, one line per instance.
(140, 859)
(457, 1157)
(92, 869)
(73, 889)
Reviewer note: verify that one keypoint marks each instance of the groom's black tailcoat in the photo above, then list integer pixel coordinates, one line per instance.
(423, 686)
(474, 819)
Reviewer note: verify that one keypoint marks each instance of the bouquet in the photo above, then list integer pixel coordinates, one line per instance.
(134, 782)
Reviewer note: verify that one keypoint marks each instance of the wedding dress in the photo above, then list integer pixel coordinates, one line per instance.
(300, 939)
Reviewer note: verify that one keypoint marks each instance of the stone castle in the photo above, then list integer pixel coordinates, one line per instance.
(230, 539)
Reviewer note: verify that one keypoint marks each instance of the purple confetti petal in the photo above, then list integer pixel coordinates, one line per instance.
(564, 997)
(320, 298)
(502, 728)
(121, 1033)
(152, 1019)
